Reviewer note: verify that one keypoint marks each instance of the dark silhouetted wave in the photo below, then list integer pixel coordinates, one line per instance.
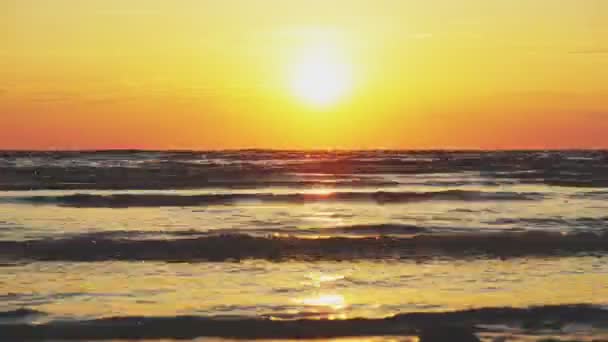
(373, 229)
(259, 168)
(587, 223)
(452, 326)
(381, 197)
(19, 313)
(238, 247)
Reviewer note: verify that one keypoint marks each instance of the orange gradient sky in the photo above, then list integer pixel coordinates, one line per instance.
(215, 74)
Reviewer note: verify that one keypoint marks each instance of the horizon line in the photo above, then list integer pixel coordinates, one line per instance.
(87, 150)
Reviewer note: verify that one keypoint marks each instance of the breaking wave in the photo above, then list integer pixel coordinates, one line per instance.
(120, 170)
(238, 247)
(381, 197)
(454, 326)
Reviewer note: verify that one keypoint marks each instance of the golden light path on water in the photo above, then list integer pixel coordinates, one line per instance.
(336, 290)
(296, 289)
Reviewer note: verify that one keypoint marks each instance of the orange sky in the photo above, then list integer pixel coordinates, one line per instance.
(211, 74)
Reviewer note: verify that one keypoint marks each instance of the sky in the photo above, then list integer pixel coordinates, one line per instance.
(287, 74)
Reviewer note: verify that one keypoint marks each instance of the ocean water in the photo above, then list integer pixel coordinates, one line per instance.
(347, 245)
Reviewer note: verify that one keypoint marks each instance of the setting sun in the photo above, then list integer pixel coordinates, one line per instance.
(320, 76)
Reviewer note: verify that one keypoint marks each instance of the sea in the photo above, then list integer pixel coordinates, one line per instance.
(288, 245)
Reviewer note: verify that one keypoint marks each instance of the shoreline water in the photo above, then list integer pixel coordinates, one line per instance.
(264, 245)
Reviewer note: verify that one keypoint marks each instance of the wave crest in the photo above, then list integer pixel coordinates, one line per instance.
(380, 197)
(457, 323)
(238, 247)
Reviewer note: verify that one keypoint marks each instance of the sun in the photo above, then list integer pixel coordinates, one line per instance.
(320, 75)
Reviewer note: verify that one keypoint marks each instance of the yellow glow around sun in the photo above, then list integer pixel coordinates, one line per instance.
(320, 75)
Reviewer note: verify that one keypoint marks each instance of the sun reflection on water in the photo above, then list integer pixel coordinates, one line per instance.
(318, 279)
(321, 192)
(331, 301)
(325, 303)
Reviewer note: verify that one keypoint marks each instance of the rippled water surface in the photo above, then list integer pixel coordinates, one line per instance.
(280, 236)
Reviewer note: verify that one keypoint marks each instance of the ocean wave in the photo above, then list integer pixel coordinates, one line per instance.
(452, 326)
(594, 195)
(559, 222)
(257, 168)
(154, 183)
(373, 229)
(239, 247)
(360, 230)
(19, 313)
(380, 197)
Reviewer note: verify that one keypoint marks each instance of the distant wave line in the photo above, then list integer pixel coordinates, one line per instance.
(380, 197)
(86, 248)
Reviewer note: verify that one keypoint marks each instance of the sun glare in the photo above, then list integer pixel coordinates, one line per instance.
(320, 75)
(333, 301)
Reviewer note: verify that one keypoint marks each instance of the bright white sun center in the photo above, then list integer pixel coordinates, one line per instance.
(320, 76)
